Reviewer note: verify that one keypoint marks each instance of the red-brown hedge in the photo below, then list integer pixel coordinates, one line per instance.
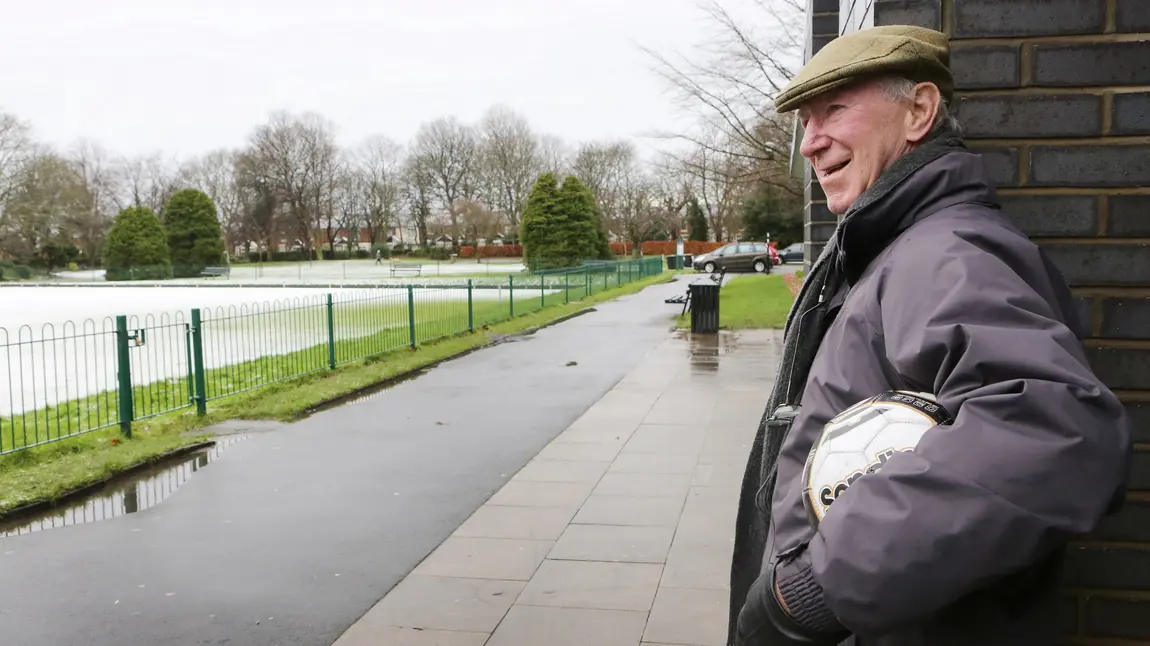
(492, 251)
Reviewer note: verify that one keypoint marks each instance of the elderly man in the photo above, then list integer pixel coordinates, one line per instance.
(925, 286)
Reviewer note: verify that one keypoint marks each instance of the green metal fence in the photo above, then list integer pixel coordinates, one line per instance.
(72, 379)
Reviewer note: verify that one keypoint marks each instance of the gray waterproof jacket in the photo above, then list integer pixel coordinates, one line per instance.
(960, 541)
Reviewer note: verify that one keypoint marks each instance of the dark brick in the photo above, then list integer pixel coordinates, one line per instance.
(1129, 215)
(1126, 318)
(921, 13)
(988, 18)
(1140, 420)
(1084, 312)
(1122, 369)
(977, 67)
(1101, 265)
(1105, 166)
(1052, 215)
(1065, 115)
(1131, 112)
(1107, 567)
(1133, 16)
(819, 213)
(812, 190)
(1117, 618)
(819, 42)
(1140, 465)
(825, 23)
(821, 232)
(1001, 163)
(1068, 614)
(1093, 64)
(1131, 524)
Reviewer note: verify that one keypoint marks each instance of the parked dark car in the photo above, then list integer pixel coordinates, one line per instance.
(739, 256)
(792, 253)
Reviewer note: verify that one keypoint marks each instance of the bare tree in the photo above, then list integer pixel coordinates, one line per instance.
(296, 157)
(447, 152)
(479, 222)
(555, 154)
(215, 175)
(732, 83)
(418, 193)
(511, 161)
(603, 166)
(46, 196)
(145, 181)
(379, 164)
(15, 150)
(101, 178)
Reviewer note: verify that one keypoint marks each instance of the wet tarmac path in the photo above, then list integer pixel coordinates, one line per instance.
(291, 535)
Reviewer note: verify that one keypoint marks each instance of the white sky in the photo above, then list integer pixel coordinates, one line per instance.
(188, 76)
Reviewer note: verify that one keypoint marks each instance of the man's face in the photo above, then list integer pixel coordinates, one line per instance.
(852, 134)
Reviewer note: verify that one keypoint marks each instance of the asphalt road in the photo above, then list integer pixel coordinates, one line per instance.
(291, 535)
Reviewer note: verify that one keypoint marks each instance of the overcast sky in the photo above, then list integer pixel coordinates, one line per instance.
(187, 76)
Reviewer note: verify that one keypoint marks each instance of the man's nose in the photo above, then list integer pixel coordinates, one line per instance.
(814, 140)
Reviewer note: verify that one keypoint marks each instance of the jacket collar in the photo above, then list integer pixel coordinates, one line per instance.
(938, 174)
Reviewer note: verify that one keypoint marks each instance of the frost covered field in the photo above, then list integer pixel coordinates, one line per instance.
(58, 343)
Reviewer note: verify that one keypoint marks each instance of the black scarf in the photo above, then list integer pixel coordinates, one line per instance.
(844, 257)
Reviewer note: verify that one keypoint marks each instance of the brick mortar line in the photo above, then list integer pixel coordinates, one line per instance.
(1110, 141)
(1072, 39)
(1051, 90)
(1072, 191)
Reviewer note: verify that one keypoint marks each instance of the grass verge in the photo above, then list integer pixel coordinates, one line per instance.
(757, 301)
(47, 472)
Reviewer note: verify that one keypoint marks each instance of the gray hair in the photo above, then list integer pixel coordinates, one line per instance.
(897, 88)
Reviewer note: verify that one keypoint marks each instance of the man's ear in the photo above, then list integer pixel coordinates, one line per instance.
(925, 105)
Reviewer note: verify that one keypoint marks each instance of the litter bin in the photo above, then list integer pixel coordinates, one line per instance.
(673, 261)
(704, 307)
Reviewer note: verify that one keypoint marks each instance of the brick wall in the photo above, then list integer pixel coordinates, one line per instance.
(1056, 95)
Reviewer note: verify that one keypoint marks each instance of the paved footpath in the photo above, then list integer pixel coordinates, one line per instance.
(618, 533)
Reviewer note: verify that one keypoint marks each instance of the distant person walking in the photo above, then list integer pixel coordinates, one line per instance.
(378, 257)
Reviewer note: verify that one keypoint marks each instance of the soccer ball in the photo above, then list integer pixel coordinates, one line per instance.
(861, 439)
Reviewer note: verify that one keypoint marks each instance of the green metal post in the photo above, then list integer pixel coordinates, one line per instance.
(470, 309)
(191, 373)
(566, 287)
(411, 313)
(124, 376)
(198, 363)
(330, 332)
(542, 298)
(511, 293)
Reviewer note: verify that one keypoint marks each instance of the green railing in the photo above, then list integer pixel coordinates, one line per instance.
(72, 379)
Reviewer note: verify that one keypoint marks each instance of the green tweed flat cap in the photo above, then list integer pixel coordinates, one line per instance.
(914, 52)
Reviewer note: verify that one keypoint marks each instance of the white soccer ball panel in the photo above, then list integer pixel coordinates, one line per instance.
(859, 441)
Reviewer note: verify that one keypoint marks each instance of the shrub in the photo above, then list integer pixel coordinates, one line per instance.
(195, 239)
(438, 253)
(137, 247)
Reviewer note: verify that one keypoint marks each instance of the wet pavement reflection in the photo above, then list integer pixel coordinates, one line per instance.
(137, 492)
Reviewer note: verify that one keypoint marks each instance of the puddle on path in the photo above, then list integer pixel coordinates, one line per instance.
(137, 492)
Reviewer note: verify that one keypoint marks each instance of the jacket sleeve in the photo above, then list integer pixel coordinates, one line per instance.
(1037, 451)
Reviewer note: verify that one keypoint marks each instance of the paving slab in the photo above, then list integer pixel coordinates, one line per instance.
(636, 503)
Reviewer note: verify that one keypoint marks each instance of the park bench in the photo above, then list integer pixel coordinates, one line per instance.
(216, 271)
(685, 298)
(406, 268)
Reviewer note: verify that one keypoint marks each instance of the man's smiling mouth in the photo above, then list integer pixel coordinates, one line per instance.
(831, 170)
